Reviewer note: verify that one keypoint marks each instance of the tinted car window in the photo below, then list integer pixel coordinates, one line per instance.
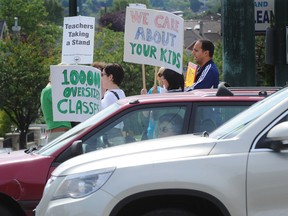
(141, 124)
(241, 121)
(209, 117)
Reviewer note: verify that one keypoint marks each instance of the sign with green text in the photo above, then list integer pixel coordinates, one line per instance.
(76, 92)
(154, 37)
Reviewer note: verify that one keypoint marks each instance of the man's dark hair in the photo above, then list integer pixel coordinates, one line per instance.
(207, 45)
(116, 70)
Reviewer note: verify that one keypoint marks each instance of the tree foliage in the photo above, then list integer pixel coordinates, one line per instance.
(114, 21)
(55, 11)
(214, 6)
(30, 13)
(25, 61)
(217, 57)
(195, 5)
(5, 123)
(264, 73)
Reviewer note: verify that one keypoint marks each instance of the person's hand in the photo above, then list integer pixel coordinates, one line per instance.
(143, 91)
(154, 90)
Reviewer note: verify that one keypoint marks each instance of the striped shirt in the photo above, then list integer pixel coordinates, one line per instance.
(206, 77)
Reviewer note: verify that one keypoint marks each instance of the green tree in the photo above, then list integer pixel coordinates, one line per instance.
(195, 5)
(5, 124)
(24, 62)
(55, 11)
(214, 6)
(217, 57)
(30, 13)
(264, 73)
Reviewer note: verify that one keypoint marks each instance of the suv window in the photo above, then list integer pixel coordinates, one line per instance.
(241, 121)
(137, 125)
(208, 118)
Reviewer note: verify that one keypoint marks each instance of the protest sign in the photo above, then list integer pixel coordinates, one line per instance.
(264, 14)
(154, 37)
(78, 40)
(76, 92)
(190, 74)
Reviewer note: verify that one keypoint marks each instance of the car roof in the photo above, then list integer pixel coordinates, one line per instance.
(223, 93)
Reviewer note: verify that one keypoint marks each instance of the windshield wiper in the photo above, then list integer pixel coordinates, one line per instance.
(32, 148)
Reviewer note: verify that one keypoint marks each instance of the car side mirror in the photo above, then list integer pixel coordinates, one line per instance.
(278, 137)
(76, 148)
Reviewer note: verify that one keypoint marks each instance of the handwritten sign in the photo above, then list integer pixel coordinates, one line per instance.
(76, 92)
(154, 37)
(78, 40)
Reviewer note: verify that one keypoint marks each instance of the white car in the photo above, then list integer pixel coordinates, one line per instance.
(241, 169)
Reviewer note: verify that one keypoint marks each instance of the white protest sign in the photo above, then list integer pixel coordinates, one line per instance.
(154, 37)
(78, 40)
(76, 92)
(264, 13)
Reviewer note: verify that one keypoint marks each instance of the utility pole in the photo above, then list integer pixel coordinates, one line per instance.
(72, 7)
(238, 29)
(280, 42)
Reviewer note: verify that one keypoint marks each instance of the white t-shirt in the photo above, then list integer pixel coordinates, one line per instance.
(109, 97)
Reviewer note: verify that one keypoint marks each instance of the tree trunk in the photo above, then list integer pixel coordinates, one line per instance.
(22, 139)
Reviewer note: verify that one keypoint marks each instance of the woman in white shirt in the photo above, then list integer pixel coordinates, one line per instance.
(111, 78)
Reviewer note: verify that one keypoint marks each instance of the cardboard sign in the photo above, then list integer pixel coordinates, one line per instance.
(190, 74)
(154, 37)
(76, 92)
(78, 40)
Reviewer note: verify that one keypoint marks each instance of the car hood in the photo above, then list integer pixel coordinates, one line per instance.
(132, 154)
(14, 156)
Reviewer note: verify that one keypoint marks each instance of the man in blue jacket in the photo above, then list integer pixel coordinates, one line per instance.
(207, 75)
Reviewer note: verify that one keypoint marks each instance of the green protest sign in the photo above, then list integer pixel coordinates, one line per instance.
(76, 92)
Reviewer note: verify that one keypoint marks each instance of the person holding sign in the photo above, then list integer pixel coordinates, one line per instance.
(207, 75)
(172, 81)
(54, 128)
(155, 89)
(111, 77)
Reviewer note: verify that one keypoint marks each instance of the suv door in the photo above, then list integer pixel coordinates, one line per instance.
(267, 176)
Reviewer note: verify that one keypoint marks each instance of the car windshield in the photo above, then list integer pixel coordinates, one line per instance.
(51, 147)
(237, 124)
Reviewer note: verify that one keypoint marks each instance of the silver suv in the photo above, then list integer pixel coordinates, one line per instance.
(240, 169)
